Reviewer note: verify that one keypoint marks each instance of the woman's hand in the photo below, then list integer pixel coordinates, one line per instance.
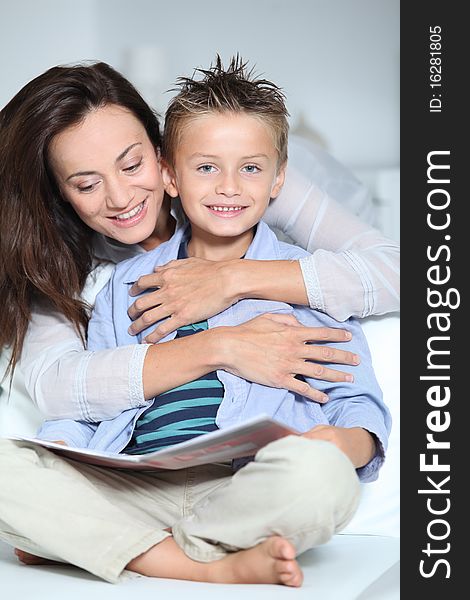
(357, 443)
(193, 289)
(272, 349)
(189, 290)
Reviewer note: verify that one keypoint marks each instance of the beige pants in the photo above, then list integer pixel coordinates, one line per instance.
(100, 519)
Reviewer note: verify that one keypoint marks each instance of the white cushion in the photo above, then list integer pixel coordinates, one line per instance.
(347, 568)
(379, 511)
(18, 414)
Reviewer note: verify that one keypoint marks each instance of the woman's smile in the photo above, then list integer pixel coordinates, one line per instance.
(133, 216)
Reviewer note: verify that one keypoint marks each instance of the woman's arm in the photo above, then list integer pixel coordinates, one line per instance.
(271, 350)
(68, 382)
(354, 270)
(194, 289)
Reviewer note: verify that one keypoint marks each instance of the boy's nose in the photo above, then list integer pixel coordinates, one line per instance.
(228, 185)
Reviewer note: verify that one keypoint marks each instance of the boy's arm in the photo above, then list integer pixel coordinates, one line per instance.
(355, 406)
(76, 434)
(357, 443)
(353, 268)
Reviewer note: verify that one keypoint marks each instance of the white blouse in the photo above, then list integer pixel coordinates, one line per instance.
(353, 270)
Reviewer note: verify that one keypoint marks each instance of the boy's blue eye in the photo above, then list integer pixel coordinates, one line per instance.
(251, 169)
(206, 168)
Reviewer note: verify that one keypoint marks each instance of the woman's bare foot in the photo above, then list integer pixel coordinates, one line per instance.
(272, 561)
(31, 559)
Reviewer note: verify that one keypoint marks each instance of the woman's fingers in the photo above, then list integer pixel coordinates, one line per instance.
(312, 352)
(149, 317)
(145, 282)
(328, 354)
(303, 388)
(144, 303)
(164, 328)
(169, 319)
(312, 334)
(321, 372)
(271, 350)
(188, 290)
(325, 334)
(297, 386)
(285, 318)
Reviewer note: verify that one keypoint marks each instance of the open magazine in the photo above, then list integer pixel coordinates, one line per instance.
(239, 441)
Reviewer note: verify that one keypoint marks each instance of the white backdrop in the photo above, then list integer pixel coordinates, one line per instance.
(337, 60)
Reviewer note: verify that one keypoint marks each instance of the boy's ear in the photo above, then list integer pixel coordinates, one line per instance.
(279, 181)
(169, 179)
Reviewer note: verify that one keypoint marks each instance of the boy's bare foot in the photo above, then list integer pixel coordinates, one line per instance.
(31, 559)
(272, 561)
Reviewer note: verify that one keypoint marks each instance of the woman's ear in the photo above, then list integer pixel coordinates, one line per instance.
(279, 180)
(169, 179)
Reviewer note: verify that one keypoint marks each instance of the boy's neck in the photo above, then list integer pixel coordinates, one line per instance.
(211, 247)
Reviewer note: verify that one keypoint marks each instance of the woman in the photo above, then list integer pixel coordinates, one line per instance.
(57, 208)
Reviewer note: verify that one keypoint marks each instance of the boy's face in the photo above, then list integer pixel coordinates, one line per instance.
(225, 173)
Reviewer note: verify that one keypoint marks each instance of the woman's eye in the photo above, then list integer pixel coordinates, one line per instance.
(133, 167)
(206, 168)
(251, 169)
(86, 188)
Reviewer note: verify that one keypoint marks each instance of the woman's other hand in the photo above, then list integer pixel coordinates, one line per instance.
(194, 289)
(188, 291)
(273, 349)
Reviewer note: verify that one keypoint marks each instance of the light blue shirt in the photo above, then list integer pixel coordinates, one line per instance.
(357, 404)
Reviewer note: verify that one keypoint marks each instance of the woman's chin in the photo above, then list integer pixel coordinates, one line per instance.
(131, 235)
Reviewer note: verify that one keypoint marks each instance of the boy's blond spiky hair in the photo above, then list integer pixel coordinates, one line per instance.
(234, 89)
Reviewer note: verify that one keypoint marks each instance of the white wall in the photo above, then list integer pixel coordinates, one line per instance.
(337, 60)
(38, 34)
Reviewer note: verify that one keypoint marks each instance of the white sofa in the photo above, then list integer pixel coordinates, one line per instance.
(361, 563)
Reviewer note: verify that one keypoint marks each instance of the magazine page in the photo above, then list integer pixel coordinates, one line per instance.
(239, 441)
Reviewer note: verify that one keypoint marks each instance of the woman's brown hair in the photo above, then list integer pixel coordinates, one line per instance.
(45, 249)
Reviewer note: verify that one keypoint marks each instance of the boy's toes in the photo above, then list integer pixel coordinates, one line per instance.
(292, 577)
(282, 548)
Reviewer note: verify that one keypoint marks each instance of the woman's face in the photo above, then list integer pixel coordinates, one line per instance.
(107, 168)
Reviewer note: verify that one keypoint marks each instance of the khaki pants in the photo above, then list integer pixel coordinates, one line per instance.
(99, 519)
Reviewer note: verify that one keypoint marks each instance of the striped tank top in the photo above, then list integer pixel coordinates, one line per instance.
(181, 413)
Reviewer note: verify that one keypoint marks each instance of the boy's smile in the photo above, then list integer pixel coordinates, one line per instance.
(226, 171)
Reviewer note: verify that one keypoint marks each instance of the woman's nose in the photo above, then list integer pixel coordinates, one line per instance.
(118, 195)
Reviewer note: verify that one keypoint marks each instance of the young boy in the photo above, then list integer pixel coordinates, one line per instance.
(225, 155)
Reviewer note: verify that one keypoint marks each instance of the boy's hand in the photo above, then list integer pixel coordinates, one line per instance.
(357, 443)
